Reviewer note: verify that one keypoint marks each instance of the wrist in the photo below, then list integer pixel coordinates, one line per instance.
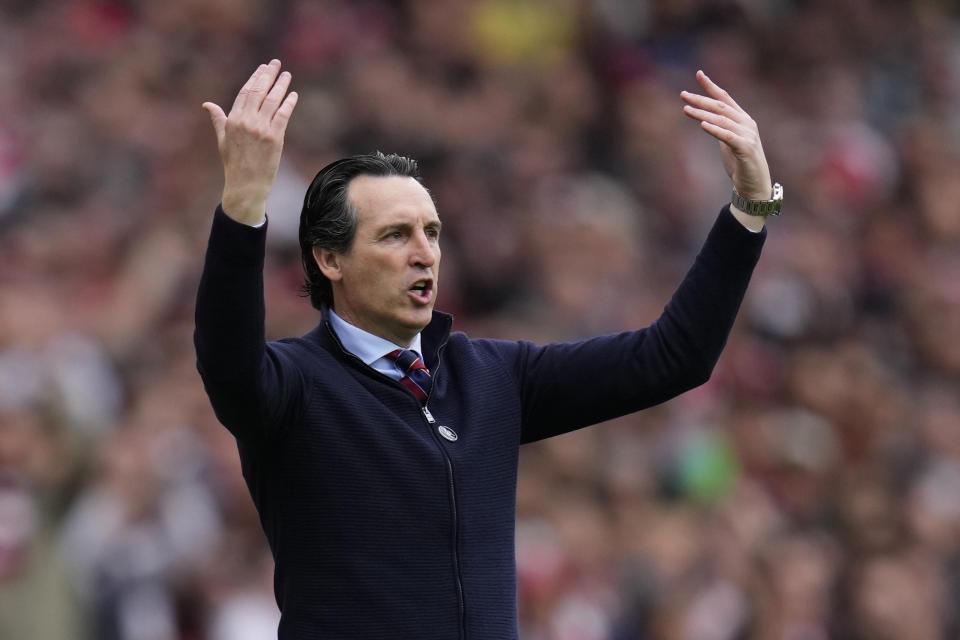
(753, 223)
(762, 191)
(247, 206)
(244, 208)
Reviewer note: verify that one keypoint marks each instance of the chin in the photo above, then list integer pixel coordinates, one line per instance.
(419, 320)
(424, 320)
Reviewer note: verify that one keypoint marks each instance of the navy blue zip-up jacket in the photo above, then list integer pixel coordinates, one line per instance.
(379, 526)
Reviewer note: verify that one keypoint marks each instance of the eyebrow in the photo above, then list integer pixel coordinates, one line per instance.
(396, 226)
(406, 226)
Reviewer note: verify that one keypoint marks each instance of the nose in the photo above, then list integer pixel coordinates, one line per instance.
(425, 251)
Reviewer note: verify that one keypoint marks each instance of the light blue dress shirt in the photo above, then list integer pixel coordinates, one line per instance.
(371, 349)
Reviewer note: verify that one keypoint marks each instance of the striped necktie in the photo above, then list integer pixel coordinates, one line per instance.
(416, 375)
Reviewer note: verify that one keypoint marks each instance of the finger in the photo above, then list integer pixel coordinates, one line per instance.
(715, 91)
(244, 93)
(253, 91)
(265, 82)
(218, 118)
(282, 116)
(731, 139)
(717, 119)
(716, 106)
(276, 95)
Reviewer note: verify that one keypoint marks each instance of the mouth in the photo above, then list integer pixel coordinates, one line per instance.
(421, 290)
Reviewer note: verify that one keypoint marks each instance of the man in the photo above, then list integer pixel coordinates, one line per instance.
(387, 489)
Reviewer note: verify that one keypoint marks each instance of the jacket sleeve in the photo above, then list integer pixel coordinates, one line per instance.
(571, 385)
(253, 386)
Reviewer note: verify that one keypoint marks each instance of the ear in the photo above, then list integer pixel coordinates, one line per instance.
(329, 263)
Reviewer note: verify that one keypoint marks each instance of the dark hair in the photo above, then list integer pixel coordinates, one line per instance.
(328, 219)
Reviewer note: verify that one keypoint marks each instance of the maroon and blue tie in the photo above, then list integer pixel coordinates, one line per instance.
(416, 375)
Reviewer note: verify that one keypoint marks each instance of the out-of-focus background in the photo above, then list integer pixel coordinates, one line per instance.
(810, 490)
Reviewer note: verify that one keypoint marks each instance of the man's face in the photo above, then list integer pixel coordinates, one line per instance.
(386, 282)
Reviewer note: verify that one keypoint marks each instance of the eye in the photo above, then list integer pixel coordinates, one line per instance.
(433, 232)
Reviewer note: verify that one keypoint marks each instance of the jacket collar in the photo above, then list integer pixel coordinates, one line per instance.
(432, 338)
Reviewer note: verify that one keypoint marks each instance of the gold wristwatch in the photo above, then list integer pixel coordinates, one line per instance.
(762, 208)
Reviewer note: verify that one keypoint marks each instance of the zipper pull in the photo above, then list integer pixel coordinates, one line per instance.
(428, 415)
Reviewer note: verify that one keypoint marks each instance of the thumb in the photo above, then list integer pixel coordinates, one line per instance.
(217, 117)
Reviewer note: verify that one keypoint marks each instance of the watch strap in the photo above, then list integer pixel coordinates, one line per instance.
(762, 208)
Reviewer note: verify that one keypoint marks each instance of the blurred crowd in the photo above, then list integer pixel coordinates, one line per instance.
(810, 490)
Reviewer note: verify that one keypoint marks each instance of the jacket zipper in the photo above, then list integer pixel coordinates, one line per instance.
(431, 421)
(453, 499)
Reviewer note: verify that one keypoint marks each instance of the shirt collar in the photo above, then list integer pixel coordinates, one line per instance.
(363, 344)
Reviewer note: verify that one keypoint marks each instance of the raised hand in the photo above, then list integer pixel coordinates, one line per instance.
(743, 157)
(250, 140)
